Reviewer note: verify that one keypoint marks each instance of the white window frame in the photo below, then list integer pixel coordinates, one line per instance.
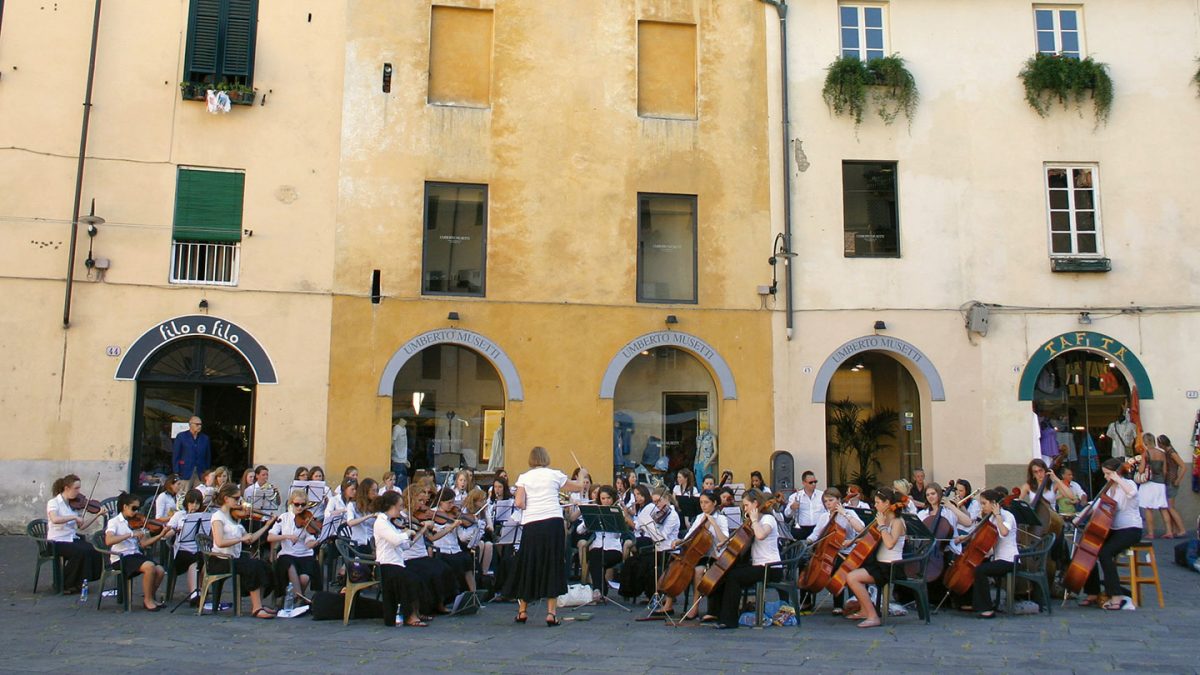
(205, 263)
(860, 8)
(1057, 29)
(1071, 210)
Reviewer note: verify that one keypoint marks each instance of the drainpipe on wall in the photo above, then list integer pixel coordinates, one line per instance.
(83, 136)
(781, 9)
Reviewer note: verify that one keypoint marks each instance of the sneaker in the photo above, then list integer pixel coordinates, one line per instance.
(1127, 604)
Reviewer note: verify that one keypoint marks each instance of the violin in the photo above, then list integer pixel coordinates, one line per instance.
(247, 513)
(82, 503)
(141, 522)
(307, 521)
(661, 513)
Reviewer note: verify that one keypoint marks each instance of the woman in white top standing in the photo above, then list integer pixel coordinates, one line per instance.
(127, 544)
(685, 484)
(1004, 554)
(889, 504)
(390, 543)
(228, 536)
(80, 560)
(764, 553)
(295, 562)
(1126, 530)
(539, 569)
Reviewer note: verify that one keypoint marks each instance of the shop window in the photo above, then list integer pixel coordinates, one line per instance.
(460, 57)
(871, 220)
(666, 248)
(667, 70)
(1073, 210)
(455, 250)
(1058, 31)
(873, 421)
(207, 231)
(220, 42)
(665, 415)
(452, 416)
(863, 30)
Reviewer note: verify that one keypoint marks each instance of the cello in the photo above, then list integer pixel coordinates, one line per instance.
(674, 581)
(738, 543)
(824, 559)
(960, 576)
(1100, 514)
(942, 531)
(864, 544)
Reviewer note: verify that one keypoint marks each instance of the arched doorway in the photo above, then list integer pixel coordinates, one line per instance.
(192, 376)
(1082, 397)
(873, 421)
(448, 407)
(665, 414)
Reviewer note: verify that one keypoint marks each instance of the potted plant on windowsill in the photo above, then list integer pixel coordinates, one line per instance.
(1052, 77)
(239, 94)
(892, 88)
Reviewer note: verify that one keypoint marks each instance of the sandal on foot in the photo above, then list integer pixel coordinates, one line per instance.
(990, 614)
(837, 611)
(416, 624)
(262, 613)
(552, 620)
(855, 617)
(521, 617)
(870, 623)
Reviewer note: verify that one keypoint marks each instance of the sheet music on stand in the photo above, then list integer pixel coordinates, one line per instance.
(1024, 513)
(193, 525)
(864, 514)
(330, 527)
(609, 519)
(734, 515)
(505, 516)
(739, 489)
(315, 490)
(262, 499)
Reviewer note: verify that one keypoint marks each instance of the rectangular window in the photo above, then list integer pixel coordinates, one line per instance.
(872, 223)
(455, 250)
(1059, 31)
(207, 231)
(863, 30)
(460, 57)
(666, 264)
(1073, 209)
(666, 77)
(220, 42)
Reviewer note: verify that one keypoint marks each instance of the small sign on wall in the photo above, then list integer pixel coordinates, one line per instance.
(112, 350)
(1192, 393)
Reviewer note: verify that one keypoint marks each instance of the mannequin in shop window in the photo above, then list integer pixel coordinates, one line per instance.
(706, 453)
(400, 461)
(496, 460)
(1123, 434)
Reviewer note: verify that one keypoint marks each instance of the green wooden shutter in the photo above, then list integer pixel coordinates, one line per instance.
(241, 23)
(203, 45)
(208, 205)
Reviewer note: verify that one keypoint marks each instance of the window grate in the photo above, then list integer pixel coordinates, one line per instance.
(203, 263)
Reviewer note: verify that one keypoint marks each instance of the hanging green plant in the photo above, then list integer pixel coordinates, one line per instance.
(892, 88)
(1050, 77)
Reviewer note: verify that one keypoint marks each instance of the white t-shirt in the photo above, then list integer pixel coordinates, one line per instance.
(335, 503)
(60, 531)
(1077, 490)
(541, 494)
(804, 510)
(1127, 506)
(117, 527)
(669, 530)
(1006, 546)
(678, 491)
(766, 550)
(164, 504)
(230, 529)
(448, 543)
(286, 526)
(390, 543)
(362, 532)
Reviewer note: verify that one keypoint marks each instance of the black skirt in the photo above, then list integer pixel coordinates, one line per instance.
(539, 569)
(435, 579)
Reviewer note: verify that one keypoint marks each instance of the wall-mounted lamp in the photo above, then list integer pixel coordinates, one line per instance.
(204, 304)
(672, 319)
(879, 325)
(452, 316)
(1085, 318)
(779, 249)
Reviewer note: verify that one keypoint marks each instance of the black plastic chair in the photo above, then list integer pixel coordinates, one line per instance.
(1031, 567)
(912, 566)
(36, 530)
(111, 569)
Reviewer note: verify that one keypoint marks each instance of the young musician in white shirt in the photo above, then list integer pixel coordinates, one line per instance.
(295, 562)
(717, 524)
(1004, 553)
(228, 536)
(165, 502)
(604, 550)
(398, 585)
(80, 559)
(186, 554)
(448, 544)
(126, 545)
(889, 503)
(724, 601)
(1125, 531)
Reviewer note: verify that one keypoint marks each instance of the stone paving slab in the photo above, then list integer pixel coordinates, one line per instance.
(46, 633)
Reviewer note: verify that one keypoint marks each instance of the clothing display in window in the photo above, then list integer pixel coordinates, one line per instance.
(706, 454)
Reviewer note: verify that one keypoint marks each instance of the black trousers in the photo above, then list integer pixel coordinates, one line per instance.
(600, 560)
(988, 569)
(80, 561)
(305, 566)
(725, 598)
(1117, 541)
(396, 584)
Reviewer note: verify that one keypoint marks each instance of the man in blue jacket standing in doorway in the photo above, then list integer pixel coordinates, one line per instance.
(192, 452)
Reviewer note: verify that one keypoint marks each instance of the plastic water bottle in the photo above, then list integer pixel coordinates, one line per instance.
(399, 615)
(83, 591)
(289, 598)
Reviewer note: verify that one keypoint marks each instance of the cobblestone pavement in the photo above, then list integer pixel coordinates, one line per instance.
(48, 633)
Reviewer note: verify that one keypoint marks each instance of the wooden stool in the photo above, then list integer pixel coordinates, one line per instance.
(1137, 576)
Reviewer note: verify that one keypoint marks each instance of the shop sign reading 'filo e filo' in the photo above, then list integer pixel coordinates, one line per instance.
(197, 325)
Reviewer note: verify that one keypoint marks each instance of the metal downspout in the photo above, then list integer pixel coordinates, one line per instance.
(781, 8)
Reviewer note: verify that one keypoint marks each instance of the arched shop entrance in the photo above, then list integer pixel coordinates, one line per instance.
(192, 376)
(872, 421)
(1080, 387)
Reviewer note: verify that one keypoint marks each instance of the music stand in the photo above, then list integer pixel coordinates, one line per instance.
(193, 525)
(1024, 513)
(608, 520)
(689, 508)
(864, 514)
(913, 527)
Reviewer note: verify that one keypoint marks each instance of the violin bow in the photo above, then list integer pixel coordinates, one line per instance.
(89, 499)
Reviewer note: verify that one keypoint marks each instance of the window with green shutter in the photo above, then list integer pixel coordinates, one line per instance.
(220, 42)
(208, 205)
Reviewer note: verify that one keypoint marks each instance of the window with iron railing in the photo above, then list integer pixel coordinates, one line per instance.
(199, 262)
(207, 232)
